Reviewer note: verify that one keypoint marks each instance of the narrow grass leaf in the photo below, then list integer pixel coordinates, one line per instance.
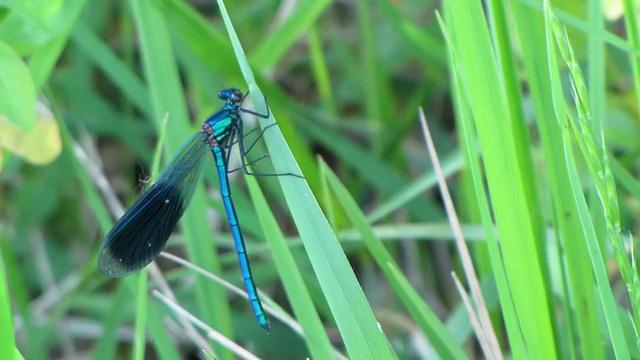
(320, 71)
(18, 100)
(295, 25)
(633, 33)
(140, 340)
(7, 340)
(451, 164)
(207, 43)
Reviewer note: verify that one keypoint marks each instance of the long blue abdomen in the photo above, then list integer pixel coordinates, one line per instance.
(245, 269)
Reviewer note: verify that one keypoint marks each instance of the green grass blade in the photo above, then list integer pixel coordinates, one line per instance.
(506, 163)
(140, 339)
(209, 45)
(480, 202)
(296, 24)
(7, 339)
(320, 71)
(451, 164)
(633, 33)
(18, 104)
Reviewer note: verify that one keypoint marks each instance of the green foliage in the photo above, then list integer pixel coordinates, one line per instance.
(534, 107)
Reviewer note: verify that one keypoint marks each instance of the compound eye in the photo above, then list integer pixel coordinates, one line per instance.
(236, 96)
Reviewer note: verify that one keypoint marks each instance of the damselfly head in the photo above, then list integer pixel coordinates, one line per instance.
(232, 94)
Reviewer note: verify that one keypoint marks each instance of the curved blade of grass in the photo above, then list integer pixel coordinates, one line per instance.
(451, 164)
(18, 103)
(320, 71)
(352, 313)
(274, 47)
(7, 340)
(200, 36)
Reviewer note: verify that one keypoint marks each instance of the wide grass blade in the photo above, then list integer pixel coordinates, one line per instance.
(7, 339)
(507, 165)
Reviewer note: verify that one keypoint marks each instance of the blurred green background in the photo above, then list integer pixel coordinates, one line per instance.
(85, 88)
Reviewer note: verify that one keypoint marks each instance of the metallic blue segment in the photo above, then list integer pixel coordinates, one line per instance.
(245, 269)
(142, 232)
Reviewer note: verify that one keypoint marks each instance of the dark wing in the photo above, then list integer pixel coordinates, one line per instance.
(140, 235)
(143, 231)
